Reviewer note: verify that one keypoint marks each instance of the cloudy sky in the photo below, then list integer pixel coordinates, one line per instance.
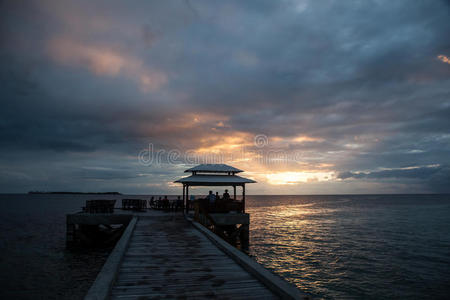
(308, 97)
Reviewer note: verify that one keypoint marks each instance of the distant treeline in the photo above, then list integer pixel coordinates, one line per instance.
(75, 193)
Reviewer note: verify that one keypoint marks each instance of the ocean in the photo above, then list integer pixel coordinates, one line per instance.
(332, 247)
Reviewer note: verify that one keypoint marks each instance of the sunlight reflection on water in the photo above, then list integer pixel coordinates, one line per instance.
(355, 246)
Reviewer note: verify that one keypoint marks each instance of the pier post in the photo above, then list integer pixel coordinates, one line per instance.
(244, 236)
(70, 234)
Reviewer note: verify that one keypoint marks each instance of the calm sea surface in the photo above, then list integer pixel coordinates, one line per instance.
(370, 247)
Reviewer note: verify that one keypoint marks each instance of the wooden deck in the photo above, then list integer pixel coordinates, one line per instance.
(167, 258)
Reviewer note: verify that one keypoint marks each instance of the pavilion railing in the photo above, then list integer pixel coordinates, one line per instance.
(203, 209)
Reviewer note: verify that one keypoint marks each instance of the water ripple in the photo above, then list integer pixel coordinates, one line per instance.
(355, 246)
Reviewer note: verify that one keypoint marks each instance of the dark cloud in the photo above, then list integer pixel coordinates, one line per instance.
(108, 174)
(85, 80)
(435, 178)
(413, 172)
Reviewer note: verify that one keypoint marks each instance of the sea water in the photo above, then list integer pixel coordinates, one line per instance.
(363, 247)
(358, 247)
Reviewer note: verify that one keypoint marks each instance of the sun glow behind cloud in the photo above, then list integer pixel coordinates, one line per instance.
(224, 144)
(104, 61)
(282, 178)
(304, 138)
(444, 59)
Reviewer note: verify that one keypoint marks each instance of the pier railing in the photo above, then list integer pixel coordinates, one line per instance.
(99, 206)
(134, 204)
(232, 227)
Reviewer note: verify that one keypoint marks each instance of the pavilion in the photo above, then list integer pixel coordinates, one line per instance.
(213, 175)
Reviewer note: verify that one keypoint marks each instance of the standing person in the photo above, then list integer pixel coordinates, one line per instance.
(217, 197)
(166, 203)
(226, 196)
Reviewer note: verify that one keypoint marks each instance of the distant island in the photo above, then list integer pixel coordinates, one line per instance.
(75, 193)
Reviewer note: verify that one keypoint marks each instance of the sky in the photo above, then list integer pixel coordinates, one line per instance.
(308, 97)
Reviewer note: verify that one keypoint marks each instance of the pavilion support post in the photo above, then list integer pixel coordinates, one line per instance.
(184, 196)
(243, 198)
(234, 194)
(187, 198)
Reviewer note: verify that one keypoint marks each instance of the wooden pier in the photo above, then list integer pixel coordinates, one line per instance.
(168, 258)
(166, 255)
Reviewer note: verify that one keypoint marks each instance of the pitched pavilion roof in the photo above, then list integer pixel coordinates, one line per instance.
(214, 179)
(214, 168)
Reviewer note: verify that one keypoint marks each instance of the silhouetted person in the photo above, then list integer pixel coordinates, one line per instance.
(179, 203)
(211, 197)
(166, 203)
(217, 196)
(226, 196)
(152, 202)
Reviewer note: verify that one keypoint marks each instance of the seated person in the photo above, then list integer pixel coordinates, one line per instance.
(226, 196)
(160, 202)
(211, 197)
(179, 203)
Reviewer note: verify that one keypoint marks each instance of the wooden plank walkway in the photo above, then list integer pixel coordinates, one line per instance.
(167, 258)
